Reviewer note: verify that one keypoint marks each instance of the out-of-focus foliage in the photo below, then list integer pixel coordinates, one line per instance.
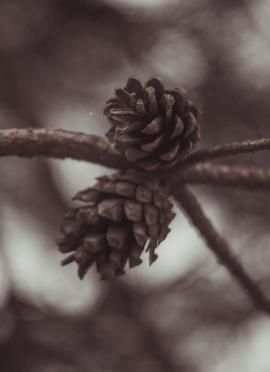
(59, 61)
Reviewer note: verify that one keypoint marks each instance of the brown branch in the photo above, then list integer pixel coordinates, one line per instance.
(234, 148)
(225, 175)
(64, 144)
(219, 246)
(59, 144)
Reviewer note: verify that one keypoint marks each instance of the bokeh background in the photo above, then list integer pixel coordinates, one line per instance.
(59, 61)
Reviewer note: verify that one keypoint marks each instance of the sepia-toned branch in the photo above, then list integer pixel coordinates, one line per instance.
(225, 175)
(79, 146)
(63, 144)
(219, 246)
(228, 149)
(59, 144)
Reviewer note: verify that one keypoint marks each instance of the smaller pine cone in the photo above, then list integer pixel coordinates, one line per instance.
(123, 215)
(152, 126)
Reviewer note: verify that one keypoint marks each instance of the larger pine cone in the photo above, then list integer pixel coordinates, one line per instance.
(123, 215)
(152, 126)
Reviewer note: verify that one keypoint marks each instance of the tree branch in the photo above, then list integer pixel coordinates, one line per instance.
(79, 146)
(59, 144)
(219, 246)
(228, 149)
(225, 175)
(65, 144)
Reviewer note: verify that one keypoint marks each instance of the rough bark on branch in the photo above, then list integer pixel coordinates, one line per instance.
(59, 144)
(63, 144)
(225, 175)
(228, 149)
(220, 247)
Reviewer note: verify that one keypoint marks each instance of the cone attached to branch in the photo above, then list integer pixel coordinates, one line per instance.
(152, 126)
(122, 215)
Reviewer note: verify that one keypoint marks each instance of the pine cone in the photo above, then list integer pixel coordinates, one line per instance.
(152, 126)
(123, 215)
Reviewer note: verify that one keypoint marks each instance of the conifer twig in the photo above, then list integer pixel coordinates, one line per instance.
(59, 144)
(219, 246)
(225, 175)
(63, 144)
(228, 149)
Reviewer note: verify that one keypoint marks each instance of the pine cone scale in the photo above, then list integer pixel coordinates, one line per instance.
(154, 127)
(117, 237)
(151, 100)
(157, 84)
(111, 209)
(123, 96)
(135, 86)
(140, 233)
(151, 146)
(150, 214)
(178, 128)
(170, 154)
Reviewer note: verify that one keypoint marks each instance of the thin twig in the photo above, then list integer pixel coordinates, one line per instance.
(234, 148)
(59, 144)
(225, 175)
(220, 247)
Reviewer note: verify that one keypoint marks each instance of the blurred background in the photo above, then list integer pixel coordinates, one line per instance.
(59, 61)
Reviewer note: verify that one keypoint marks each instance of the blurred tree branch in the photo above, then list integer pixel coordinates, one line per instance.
(219, 246)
